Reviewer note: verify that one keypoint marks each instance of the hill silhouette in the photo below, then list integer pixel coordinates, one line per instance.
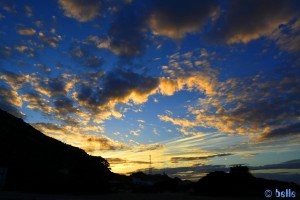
(38, 163)
(239, 182)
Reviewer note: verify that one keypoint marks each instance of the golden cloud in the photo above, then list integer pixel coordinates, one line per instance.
(26, 31)
(81, 10)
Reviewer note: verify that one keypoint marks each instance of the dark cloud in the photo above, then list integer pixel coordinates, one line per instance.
(5, 52)
(47, 126)
(268, 104)
(290, 130)
(77, 52)
(248, 20)
(287, 177)
(120, 84)
(64, 105)
(12, 79)
(256, 104)
(198, 171)
(52, 87)
(43, 67)
(127, 37)
(188, 173)
(28, 11)
(8, 6)
(116, 160)
(291, 164)
(56, 87)
(68, 120)
(93, 62)
(10, 101)
(183, 159)
(102, 143)
(177, 18)
(124, 161)
(116, 87)
(4, 105)
(37, 102)
(287, 37)
(82, 55)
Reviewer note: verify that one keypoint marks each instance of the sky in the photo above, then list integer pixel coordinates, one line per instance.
(198, 85)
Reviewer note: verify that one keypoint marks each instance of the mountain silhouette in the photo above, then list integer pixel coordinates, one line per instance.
(38, 163)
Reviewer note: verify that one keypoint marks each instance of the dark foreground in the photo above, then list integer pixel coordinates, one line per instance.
(117, 196)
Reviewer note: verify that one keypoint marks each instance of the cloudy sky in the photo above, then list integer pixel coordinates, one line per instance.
(198, 85)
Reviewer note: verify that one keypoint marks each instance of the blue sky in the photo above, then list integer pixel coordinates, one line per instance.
(199, 85)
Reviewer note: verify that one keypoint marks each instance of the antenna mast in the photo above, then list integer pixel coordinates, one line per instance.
(150, 168)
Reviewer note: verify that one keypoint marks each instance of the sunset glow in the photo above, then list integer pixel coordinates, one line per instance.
(198, 85)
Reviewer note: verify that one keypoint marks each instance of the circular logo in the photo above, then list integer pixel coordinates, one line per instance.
(268, 193)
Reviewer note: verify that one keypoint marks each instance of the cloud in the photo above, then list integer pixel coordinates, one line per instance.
(10, 97)
(43, 67)
(10, 101)
(83, 56)
(114, 161)
(179, 122)
(203, 158)
(28, 11)
(8, 7)
(185, 73)
(37, 102)
(64, 105)
(251, 105)
(175, 19)
(81, 10)
(291, 164)
(49, 128)
(135, 132)
(26, 31)
(128, 38)
(28, 51)
(116, 87)
(287, 37)
(249, 20)
(126, 35)
(93, 62)
(13, 80)
(52, 87)
(5, 52)
(50, 39)
(94, 143)
(79, 136)
(148, 147)
(193, 173)
(289, 130)
(287, 177)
